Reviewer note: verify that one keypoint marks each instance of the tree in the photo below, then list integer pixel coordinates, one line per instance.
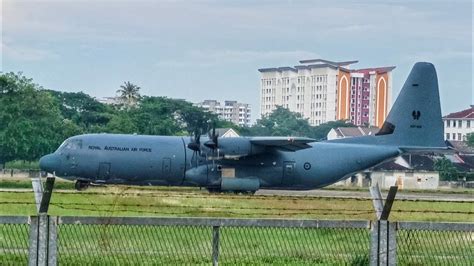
(122, 123)
(194, 118)
(321, 131)
(156, 116)
(281, 122)
(470, 139)
(447, 170)
(85, 111)
(31, 122)
(129, 94)
(165, 116)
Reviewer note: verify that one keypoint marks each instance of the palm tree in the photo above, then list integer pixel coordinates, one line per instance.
(129, 93)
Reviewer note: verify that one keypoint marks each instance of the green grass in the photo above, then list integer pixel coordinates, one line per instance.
(14, 244)
(162, 245)
(171, 202)
(167, 245)
(22, 165)
(423, 247)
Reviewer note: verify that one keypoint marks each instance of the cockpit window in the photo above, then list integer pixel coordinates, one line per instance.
(72, 144)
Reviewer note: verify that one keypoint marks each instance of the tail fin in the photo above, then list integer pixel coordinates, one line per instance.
(415, 119)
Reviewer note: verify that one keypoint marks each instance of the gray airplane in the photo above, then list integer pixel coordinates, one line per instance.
(246, 164)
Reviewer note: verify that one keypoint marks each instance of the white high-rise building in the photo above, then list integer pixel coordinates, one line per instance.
(233, 111)
(323, 91)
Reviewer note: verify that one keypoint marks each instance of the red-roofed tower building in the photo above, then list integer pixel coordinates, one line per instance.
(366, 98)
(322, 91)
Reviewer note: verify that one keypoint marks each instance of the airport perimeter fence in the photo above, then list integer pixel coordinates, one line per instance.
(206, 241)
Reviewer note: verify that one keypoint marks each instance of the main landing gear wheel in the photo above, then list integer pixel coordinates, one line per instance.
(214, 190)
(244, 192)
(81, 185)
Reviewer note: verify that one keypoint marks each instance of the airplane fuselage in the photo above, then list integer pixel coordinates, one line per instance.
(166, 160)
(246, 164)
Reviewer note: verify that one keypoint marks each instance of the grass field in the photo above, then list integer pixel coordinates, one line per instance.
(177, 202)
(165, 245)
(177, 245)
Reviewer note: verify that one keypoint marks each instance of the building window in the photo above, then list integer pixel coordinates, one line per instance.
(447, 136)
(448, 123)
(454, 123)
(459, 123)
(459, 136)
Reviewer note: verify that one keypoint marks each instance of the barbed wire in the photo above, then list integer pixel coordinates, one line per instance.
(214, 212)
(71, 205)
(248, 197)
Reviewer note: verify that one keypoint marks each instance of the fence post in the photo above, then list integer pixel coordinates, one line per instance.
(392, 243)
(43, 228)
(33, 241)
(383, 235)
(215, 245)
(43, 240)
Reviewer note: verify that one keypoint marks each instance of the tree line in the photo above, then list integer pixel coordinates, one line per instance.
(34, 120)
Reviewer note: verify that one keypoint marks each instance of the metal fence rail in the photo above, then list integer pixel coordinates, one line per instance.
(130, 240)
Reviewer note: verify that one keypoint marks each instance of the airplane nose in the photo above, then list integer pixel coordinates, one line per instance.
(50, 163)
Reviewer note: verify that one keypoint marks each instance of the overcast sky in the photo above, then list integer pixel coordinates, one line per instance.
(200, 50)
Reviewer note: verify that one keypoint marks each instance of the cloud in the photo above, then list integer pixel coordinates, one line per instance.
(23, 53)
(439, 56)
(209, 58)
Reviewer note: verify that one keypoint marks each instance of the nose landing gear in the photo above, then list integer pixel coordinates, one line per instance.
(81, 185)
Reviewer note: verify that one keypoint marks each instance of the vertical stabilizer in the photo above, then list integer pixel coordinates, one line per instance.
(415, 118)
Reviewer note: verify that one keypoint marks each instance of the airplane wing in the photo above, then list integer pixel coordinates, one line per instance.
(283, 143)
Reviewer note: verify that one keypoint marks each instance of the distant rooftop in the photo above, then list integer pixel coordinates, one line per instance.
(418, 162)
(343, 63)
(468, 113)
(322, 63)
(347, 132)
(378, 70)
(279, 69)
(461, 147)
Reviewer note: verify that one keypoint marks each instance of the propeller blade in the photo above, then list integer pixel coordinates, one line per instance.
(210, 144)
(194, 146)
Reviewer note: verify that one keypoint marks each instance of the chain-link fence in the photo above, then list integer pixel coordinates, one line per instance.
(157, 241)
(14, 235)
(435, 244)
(200, 241)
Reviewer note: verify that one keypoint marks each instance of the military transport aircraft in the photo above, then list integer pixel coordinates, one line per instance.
(246, 164)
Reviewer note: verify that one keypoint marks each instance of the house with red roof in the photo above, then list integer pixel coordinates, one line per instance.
(459, 124)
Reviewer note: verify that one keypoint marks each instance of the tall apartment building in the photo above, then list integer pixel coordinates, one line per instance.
(233, 111)
(459, 124)
(324, 91)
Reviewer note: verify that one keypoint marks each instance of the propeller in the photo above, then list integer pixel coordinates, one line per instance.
(195, 145)
(212, 143)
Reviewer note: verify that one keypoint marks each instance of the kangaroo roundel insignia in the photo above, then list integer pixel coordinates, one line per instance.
(307, 166)
(416, 114)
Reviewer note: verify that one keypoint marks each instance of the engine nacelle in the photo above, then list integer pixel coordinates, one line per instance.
(230, 148)
(240, 184)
